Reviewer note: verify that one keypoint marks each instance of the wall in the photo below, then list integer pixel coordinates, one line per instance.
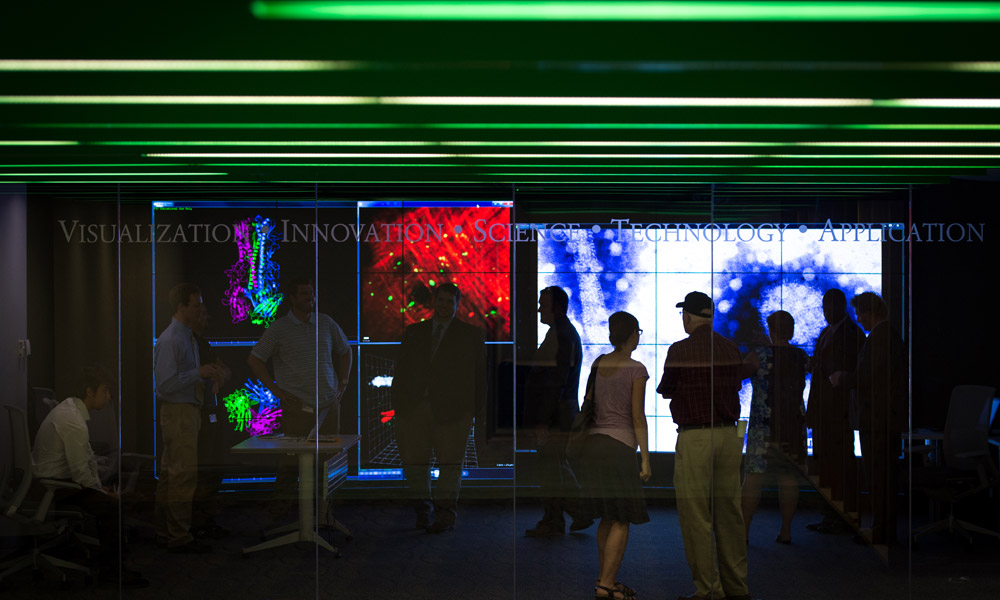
(13, 325)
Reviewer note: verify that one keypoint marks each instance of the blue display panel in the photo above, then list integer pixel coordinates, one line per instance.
(647, 274)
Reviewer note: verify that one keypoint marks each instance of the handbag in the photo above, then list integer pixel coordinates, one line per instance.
(585, 418)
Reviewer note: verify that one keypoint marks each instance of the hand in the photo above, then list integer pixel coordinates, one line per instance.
(279, 393)
(645, 472)
(541, 434)
(835, 378)
(223, 373)
(207, 371)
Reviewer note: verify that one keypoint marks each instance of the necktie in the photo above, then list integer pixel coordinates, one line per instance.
(436, 334)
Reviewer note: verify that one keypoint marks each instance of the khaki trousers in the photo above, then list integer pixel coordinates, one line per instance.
(707, 481)
(179, 424)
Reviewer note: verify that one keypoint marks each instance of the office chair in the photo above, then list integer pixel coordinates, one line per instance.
(967, 468)
(43, 400)
(36, 521)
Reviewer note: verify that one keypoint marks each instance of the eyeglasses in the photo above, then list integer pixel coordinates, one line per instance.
(640, 331)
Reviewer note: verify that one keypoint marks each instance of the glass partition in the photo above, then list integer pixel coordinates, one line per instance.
(394, 377)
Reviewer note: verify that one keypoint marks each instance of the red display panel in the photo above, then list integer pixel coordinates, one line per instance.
(422, 247)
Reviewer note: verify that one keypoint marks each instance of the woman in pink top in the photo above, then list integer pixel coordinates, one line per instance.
(611, 478)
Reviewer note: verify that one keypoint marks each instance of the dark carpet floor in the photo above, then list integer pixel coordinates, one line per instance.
(488, 557)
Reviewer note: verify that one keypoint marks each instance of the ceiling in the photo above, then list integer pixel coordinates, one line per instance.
(604, 94)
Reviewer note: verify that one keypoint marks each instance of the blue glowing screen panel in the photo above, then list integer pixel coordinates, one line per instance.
(604, 272)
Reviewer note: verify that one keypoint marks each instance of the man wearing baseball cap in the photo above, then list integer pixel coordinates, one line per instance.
(702, 377)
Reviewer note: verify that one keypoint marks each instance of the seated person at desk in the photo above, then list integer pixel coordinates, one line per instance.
(291, 343)
(62, 451)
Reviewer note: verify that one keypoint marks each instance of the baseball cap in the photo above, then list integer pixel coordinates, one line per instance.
(697, 303)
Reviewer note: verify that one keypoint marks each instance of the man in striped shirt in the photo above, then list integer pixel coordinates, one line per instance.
(309, 385)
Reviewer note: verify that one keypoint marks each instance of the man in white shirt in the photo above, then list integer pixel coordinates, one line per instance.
(62, 451)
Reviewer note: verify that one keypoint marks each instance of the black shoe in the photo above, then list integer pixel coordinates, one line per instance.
(423, 520)
(192, 547)
(213, 531)
(580, 524)
(441, 524)
(544, 529)
(828, 526)
(824, 524)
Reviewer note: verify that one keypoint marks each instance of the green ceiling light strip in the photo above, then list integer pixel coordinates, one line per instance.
(216, 125)
(939, 103)
(515, 101)
(426, 155)
(581, 155)
(130, 181)
(610, 144)
(101, 165)
(899, 144)
(38, 65)
(38, 143)
(587, 101)
(266, 143)
(536, 126)
(542, 10)
(645, 167)
(346, 165)
(631, 102)
(921, 126)
(712, 166)
(191, 100)
(702, 174)
(560, 143)
(85, 174)
(903, 156)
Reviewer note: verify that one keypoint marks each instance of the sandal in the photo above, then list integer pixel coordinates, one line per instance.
(629, 592)
(619, 587)
(612, 594)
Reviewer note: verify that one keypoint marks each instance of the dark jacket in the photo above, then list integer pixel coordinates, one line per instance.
(453, 381)
(880, 382)
(838, 353)
(553, 384)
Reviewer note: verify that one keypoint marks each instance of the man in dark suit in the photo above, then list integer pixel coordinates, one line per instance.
(880, 384)
(552, 403)
(437, 389)
(836, 350)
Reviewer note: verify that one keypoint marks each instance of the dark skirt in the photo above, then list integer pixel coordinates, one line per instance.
(609, 477)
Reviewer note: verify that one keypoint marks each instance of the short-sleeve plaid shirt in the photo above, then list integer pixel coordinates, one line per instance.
(702, 376)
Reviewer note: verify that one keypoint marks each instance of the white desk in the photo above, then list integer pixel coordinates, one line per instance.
(304, 530)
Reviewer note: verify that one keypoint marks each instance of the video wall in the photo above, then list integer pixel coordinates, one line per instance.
(374, 265)
(647, 275)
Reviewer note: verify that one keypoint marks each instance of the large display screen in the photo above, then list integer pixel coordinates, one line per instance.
(648, 274)
(414, 249)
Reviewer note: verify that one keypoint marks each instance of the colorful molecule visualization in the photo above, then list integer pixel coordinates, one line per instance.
(253, 409)
(253, 279)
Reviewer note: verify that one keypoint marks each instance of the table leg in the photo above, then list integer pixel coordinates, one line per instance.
(306, 531)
